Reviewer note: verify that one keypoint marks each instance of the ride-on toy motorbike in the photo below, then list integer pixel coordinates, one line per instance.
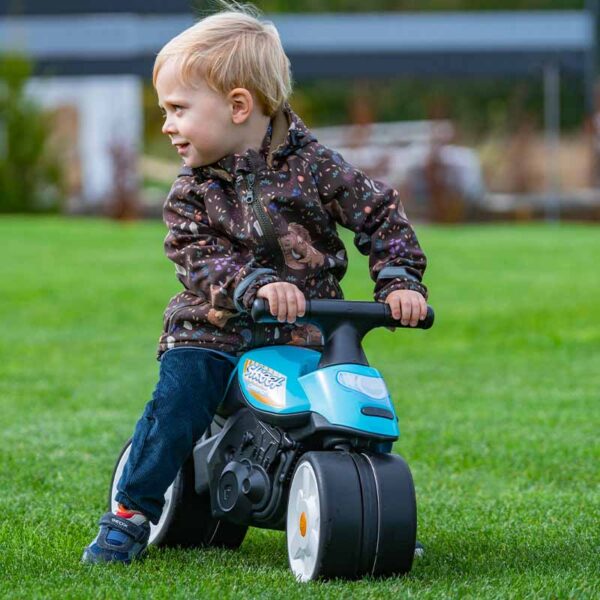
(302, 442)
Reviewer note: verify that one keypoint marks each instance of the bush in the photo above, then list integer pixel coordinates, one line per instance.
(30, 177)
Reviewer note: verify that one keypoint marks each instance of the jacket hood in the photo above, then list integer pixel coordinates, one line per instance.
(285, 135)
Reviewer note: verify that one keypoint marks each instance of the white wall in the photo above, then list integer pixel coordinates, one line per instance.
(109, 111)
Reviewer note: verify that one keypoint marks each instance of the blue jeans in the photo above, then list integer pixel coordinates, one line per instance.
(191, 385)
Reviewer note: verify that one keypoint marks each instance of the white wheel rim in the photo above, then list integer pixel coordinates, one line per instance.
(155, 530)
(303, 523)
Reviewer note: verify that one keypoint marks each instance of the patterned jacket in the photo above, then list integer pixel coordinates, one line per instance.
(260, 217)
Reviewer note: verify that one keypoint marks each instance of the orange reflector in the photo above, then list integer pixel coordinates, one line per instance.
(303, 524)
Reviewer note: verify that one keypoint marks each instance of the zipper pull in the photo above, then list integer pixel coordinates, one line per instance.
(249, 195)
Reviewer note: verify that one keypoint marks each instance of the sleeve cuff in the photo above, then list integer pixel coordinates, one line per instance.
(400, 284)
(396, 273)
(246, 290)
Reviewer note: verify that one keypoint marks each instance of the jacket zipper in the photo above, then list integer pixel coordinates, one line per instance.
(173, 314)
(252, 197)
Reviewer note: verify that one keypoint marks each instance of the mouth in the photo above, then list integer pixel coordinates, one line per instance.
(182, 147)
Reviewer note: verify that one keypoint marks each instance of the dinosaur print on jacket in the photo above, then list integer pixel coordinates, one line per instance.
(297, 249)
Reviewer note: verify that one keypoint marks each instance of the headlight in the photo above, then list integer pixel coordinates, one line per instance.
(374, 387)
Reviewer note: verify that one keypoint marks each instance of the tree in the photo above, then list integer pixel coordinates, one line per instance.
(30, 177)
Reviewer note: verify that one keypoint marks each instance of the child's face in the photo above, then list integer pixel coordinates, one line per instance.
(197, 120)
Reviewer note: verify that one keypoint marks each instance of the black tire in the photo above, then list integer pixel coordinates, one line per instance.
(397, 514)
(350, 515)
(186, 520)
(326, 542)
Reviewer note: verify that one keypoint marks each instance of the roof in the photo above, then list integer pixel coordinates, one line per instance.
(331, 45)
(441, 32)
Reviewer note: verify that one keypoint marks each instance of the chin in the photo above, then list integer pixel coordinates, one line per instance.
(194, 163)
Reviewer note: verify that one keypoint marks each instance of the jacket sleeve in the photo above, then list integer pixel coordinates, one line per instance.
(207, 263)
(376, 215)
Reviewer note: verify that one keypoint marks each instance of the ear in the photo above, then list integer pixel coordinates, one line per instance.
(241, 105)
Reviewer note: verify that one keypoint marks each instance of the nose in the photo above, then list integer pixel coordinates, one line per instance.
(168, 127)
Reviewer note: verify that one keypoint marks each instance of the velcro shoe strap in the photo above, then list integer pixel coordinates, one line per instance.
(125, 525)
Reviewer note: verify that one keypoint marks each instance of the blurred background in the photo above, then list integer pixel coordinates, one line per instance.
(475, 110)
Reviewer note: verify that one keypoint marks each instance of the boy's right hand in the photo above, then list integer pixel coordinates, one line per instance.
(286, 301)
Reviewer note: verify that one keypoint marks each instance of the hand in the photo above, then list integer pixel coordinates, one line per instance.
(408, 306)
(286, 301)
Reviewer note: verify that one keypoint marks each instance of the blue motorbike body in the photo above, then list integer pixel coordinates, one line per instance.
(284, 380)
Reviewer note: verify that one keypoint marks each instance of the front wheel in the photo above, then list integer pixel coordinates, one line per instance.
(350, 515)
(186, 519)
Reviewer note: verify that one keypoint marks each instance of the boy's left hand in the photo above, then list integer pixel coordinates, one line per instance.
(407, 306)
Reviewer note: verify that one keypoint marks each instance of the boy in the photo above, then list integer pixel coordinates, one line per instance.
(252, 215)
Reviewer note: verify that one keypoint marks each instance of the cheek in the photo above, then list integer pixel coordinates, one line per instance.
(203, 135)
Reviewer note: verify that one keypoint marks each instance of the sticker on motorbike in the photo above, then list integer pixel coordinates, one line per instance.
(265, 384)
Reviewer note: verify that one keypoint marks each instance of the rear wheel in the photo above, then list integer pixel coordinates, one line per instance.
(186, 519)
(350, 515)
(397, 514)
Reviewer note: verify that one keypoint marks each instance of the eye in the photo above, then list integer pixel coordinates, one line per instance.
(177, 108)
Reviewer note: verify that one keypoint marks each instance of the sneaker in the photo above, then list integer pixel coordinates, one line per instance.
(119, 540)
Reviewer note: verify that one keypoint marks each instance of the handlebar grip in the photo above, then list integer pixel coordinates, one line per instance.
(426, 323)
(260, 311)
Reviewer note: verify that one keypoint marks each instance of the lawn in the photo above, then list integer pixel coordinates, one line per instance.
(498, 403)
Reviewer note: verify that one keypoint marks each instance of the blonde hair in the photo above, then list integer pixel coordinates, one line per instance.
(230, 49)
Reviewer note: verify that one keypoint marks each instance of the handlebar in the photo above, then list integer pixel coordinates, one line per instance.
(377, 314)
(343, 324)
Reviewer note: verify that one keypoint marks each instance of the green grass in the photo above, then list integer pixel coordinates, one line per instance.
(498, 406)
